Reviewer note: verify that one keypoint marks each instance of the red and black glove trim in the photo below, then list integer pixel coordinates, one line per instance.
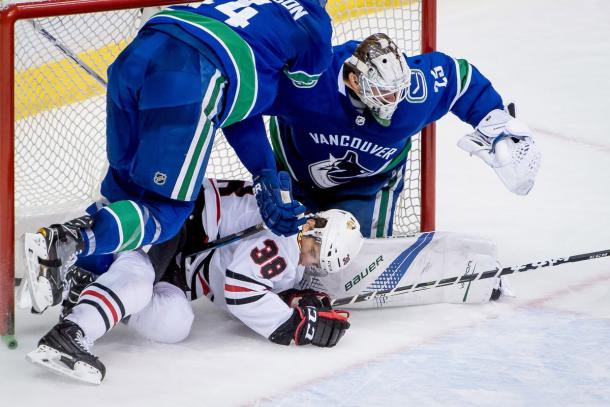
(305, 298)
(309, 325)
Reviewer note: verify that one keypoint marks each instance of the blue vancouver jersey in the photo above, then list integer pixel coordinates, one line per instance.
(253, 44)
(325, 142)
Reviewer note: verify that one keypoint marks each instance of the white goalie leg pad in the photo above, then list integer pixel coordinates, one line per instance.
(386, 264)
(452, 255)
(470, 254)
(167, 318)
(506, 145)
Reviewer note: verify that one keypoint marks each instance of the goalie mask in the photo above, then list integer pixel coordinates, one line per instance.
(338, 234)
(383, 75)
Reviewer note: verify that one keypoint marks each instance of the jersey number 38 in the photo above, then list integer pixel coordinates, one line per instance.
(271, 264)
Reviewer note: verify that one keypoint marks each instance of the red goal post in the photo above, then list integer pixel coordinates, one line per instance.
(341, 11)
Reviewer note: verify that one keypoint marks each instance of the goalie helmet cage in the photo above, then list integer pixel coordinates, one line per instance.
(52, 105)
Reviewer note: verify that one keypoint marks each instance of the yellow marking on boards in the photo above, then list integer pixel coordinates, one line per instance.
(341, 10)
(62, 82)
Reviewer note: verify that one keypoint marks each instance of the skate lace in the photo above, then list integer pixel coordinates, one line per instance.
(84, 342)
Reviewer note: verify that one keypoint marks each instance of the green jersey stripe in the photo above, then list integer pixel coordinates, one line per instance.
(211, 110)
(200, 138)
(240, 54)
(463, 75)
(134, 239)
(396, 160)
(387, 194)
(129, 222)
(187, 186)
(278, 147)
(383, 208)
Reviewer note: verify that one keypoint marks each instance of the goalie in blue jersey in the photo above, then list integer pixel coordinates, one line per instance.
(346, 141)
(189, 72)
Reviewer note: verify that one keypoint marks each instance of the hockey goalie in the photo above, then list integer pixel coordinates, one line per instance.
(281, 287)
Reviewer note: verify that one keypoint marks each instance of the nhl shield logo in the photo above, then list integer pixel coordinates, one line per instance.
(360, 120)
(160, 178)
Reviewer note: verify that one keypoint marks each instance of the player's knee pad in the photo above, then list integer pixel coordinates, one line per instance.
(167, 318)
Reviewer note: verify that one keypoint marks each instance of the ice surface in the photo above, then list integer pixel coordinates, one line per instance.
(548, 346)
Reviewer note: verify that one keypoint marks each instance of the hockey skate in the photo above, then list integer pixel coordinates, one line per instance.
(65, 350)
(48, 255)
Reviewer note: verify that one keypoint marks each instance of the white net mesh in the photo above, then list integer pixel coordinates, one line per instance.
(60, 107)
(401, 21)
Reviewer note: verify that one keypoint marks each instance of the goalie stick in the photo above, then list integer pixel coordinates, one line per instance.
(68, 52)
(373, 295)
(146, 13)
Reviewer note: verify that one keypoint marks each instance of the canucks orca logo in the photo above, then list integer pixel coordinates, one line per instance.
(335, 171)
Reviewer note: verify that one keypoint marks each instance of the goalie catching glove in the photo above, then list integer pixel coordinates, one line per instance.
(506, 145)
(310, 325)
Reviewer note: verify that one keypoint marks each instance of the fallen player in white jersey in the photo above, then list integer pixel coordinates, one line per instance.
(244, 278)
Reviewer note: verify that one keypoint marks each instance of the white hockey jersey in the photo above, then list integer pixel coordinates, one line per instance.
(244, 277)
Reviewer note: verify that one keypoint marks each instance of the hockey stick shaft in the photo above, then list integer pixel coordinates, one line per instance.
(69, 53)
(466, 278)
(230, 239)
(241, 234)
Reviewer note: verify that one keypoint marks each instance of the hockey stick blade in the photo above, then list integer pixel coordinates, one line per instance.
(466, 278)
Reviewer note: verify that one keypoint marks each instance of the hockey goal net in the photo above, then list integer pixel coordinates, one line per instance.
(54, 56)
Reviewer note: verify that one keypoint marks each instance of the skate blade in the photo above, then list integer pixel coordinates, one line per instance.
(39, 289)
(50, 359)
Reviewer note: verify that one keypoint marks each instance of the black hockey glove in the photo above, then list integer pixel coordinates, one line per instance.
(305, 298)
(309, 325)
(77, 279)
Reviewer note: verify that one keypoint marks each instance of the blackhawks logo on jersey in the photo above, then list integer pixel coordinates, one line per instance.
(336, 171)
